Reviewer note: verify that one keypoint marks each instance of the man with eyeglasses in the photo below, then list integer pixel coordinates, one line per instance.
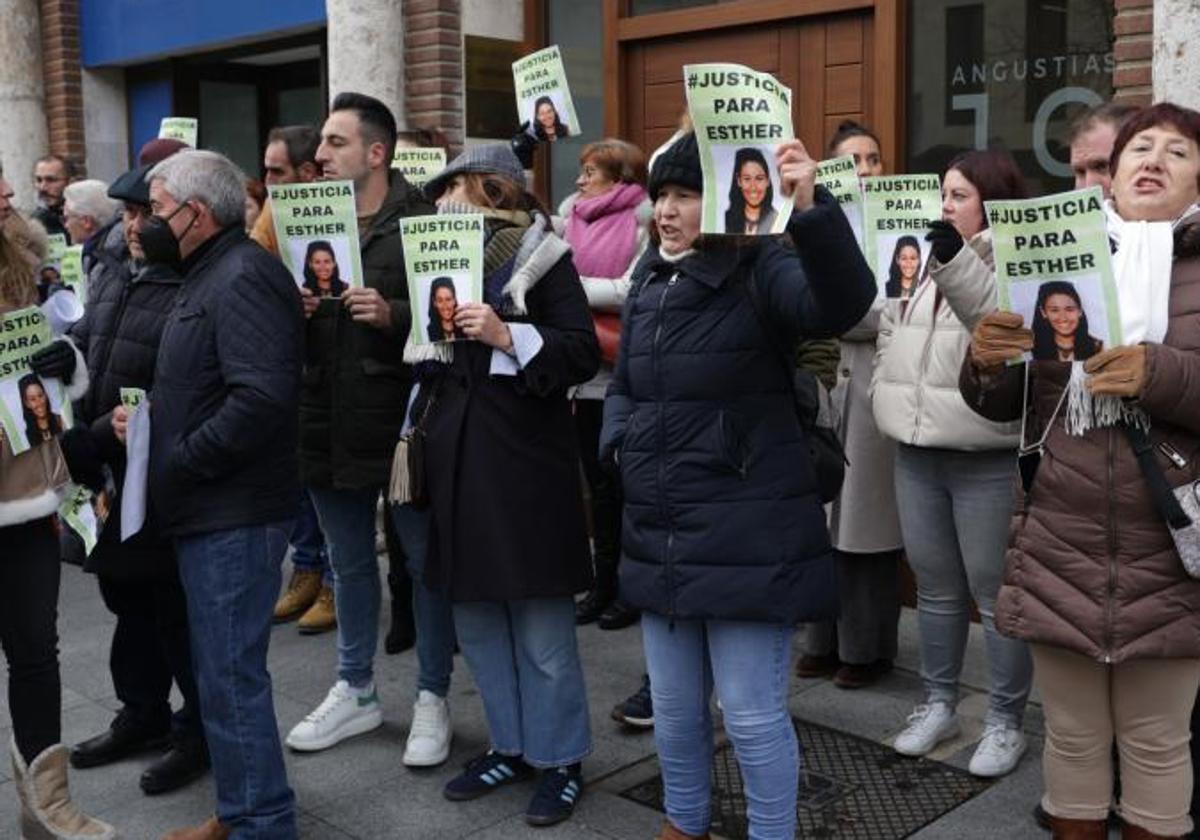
(51, 174)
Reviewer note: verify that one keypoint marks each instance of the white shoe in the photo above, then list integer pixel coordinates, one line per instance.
(429, 738)
(343, 713)
(999, 751)
(928, 725)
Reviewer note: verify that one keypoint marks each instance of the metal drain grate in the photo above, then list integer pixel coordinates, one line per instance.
(850, 789)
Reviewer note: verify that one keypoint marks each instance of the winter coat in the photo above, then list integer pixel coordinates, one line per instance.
(356, 385)
(502, 461)
(722, 517)
(1091, 566)
(105, 253)
(119, 335)
(922, 341)
(864, 518)
(223, 412)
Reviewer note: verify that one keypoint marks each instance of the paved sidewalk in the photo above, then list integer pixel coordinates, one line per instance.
(361, 790)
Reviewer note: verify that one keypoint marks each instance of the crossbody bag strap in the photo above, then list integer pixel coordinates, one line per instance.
(1160, 490)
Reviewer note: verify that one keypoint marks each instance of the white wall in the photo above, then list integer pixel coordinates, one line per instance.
(24, 136)
(105, 125)
(1176, 69)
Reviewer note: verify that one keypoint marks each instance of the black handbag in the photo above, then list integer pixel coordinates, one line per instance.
(407, 485)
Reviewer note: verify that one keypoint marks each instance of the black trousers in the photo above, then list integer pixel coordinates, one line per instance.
(151, 647)
(29, 579)
(605, 490)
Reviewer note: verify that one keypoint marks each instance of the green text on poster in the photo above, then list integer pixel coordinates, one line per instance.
(897, 210)
(840, 177)
(419, 165)
(443, 257)
(317, 228)
(543, 95)
(184, 129)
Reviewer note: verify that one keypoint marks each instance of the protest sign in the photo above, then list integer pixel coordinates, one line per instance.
(543, 96)
(740, 117)
(419, 164)
(897, 210)
(85, 513)
(443, 257)
(317, 228)
(32, 409)
(183, 129)
(840, 177)
(1054, 268)
(137, 459)
(70, 270)
(56, 245)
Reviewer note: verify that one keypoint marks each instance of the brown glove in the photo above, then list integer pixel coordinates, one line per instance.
(1120, 371)
(999, 337)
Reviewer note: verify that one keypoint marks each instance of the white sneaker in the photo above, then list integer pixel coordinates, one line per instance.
(429, 738)
(928, 725)
(343, 713)
(999, 751)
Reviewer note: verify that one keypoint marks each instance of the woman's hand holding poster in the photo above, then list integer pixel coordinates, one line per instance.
(317, 229)
(840, 177)
(897, 210)
(543, 96)
(443, 257)
(32, 410)
(1054, 268)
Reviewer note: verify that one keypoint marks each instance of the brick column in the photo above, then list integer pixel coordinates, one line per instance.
(433, 51)
(1133, 47)
(64, 88)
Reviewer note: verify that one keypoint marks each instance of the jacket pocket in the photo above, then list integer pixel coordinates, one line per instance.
(732, 445)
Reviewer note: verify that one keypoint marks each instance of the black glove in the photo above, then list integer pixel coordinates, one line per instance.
(82, 457)
(945, 239)
(55, 361)
(523, 145)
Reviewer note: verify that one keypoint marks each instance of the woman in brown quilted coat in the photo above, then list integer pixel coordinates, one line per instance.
(1093, 581)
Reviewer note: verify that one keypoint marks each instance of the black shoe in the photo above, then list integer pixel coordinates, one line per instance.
(637, 710)
(557, 794)
(184, 762)
(618, 616)
(592, 606)
(1041, 817)
(119, 741)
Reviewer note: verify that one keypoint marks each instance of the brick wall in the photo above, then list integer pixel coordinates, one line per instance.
(1133, 28)
(60, 69)
(433, 58)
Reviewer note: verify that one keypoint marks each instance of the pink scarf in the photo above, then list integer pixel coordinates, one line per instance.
(603, 231)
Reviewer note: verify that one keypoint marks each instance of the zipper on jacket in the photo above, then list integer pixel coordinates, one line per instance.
(660, 390)
(1111, 590)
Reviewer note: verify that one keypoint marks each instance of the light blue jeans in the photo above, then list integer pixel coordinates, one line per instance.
(748, 664)
(955, 510)
(525, 661)
(433, 613)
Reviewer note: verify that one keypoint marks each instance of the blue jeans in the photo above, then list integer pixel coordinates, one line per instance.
(231, 579)
(748, 664)
(308, 543)
(955, 511)
(526, 664)
(348, 520)
(433, 614)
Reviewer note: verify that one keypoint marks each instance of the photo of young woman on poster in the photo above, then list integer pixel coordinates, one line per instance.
(751, 194)
(443, 300)
(41, 423)
(547, 124)
(904, 272)
(321, 276)
(1060, 325)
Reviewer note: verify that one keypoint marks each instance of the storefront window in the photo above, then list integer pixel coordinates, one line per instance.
(577, 28)
(1008, 74)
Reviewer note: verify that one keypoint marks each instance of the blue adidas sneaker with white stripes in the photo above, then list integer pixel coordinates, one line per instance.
(490, 771)
(558, 791)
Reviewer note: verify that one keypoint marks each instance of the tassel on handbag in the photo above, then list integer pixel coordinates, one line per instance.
(407, 483)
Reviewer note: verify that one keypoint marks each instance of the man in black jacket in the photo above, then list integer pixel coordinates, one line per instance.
(223, 473)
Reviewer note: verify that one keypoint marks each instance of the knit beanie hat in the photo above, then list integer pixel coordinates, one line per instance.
(159, 149)
(678, 164)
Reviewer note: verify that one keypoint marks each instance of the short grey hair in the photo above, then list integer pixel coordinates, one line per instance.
(90, 198)
(208, 177)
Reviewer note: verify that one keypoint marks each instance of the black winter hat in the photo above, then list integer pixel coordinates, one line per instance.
(132, 187)
(678, 164)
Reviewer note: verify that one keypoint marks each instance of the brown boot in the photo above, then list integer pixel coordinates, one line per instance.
(301, 592)
(47, 812)
(1129, 831)
(210, 829)
(1064, 829)
(670, 832)
(321, 616)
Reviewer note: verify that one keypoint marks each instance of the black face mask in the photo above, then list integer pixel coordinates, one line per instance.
(159, 243)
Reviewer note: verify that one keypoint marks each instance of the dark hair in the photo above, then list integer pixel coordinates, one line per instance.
(847, 129)
(336, 286)
(434, 329)
(893, 288)
(70, 168)
(378, 125)
(993, 173)
(31, 425)
(1112, 113)
(1184, 120)
(301, 142)
(1044, 346)
(735, 216)
(425, 137)
(560, 130)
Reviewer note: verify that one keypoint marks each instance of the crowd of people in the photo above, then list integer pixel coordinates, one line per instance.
(616, 342)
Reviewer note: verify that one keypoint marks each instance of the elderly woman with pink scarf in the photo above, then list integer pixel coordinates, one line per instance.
(606, 222)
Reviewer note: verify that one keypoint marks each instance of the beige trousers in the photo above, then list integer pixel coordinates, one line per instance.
(1146, 706)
